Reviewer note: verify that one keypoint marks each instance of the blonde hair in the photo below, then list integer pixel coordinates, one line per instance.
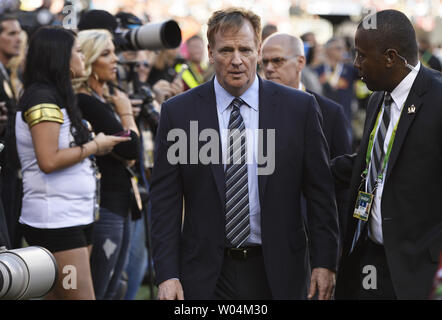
(92, 43)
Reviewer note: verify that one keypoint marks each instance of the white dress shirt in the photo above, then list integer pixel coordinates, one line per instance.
(399, 96)
(250, 115)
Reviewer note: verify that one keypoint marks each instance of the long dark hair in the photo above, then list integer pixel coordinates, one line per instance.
(48, 62)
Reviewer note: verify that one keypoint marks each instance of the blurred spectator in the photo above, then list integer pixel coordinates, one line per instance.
(426, 55)
(145, 60)
(164, 69)
(349, 55)
(308, 76)
(337, 78)
(11, 188)
(267, 30)
(110, 113)
(9, 5)
(283, 62)
(194, 76)
(54, 148)
(10, 45)
(312, 49)
(164, 66)
(17, 64)
(137, 264)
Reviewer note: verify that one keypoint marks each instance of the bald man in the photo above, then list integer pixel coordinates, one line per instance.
(283, 61)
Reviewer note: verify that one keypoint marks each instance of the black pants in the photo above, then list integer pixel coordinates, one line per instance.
(374, 275)
(243, 279)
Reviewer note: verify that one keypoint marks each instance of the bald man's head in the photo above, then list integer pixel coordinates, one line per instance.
(291, 43)
(283, 59)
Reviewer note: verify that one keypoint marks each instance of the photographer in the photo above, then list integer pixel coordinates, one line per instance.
(165, 81)
(138, 68)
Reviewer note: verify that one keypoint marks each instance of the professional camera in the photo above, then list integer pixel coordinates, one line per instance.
(26, 273)
(143, 93)
(148, 111)
(151, 36)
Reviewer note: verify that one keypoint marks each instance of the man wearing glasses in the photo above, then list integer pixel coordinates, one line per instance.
(283, 61)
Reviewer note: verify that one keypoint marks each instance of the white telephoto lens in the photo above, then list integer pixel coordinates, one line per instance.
(26, 273)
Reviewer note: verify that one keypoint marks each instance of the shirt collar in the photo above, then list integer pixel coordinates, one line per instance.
(301, 86)
(224, 98)
(400, 93)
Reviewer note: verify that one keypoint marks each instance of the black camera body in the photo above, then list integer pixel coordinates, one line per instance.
(148, 112)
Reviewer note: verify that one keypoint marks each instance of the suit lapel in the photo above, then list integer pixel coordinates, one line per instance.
(267, 120)
(414, 99)
(208, 119)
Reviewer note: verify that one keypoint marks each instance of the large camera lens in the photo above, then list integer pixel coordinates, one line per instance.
(152, 36)
(26, 273)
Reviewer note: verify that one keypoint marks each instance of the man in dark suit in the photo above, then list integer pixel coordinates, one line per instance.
(241, 235)
(394, 254)
(283, 60)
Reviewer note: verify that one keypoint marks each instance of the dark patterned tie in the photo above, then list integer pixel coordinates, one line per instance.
(237, 191)
(376, 162)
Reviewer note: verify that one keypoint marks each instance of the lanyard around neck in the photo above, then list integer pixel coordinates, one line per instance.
(371, 142)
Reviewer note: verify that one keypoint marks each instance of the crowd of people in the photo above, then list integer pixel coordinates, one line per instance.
(86, 168)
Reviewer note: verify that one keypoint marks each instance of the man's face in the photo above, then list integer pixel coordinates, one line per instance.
(10, 39)
(281, 65)
(195, 48)
(336, 50)
(370, 62)
(234, 56)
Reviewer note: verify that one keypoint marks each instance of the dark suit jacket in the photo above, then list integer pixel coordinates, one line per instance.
(336, 130)
(191, 246)
(411, 201)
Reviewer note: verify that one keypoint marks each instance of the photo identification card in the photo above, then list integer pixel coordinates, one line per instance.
(363, 205)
